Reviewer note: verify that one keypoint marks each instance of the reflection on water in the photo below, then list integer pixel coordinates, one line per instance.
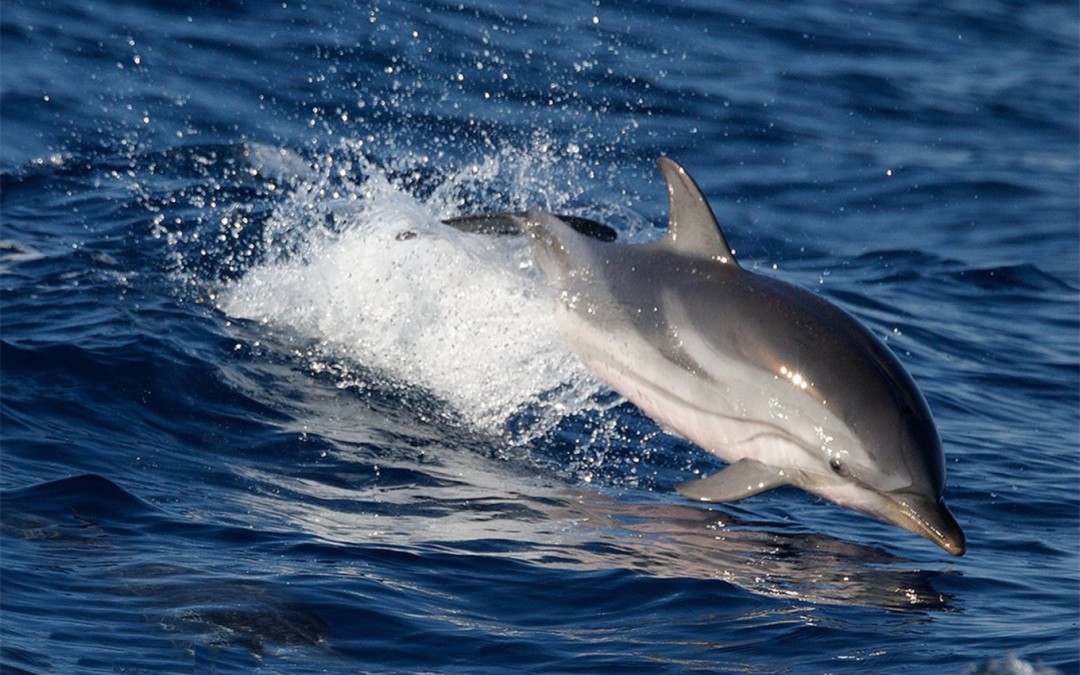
(383, 480)
(687, 541)
(480, 512)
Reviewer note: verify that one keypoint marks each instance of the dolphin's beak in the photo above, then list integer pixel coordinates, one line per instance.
(923, 516)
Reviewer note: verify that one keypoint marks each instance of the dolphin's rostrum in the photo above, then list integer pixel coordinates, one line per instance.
(782, 385)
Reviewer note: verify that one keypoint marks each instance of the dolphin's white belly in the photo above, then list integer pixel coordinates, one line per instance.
(734, 411)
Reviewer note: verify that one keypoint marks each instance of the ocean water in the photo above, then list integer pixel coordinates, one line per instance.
(249, 425)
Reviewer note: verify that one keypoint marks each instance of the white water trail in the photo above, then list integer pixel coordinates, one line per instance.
(392, 289)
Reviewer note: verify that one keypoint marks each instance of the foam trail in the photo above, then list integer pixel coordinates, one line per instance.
(462, 316)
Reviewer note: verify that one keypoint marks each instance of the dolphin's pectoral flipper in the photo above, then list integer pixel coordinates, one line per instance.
(510, 223)
(744, 478)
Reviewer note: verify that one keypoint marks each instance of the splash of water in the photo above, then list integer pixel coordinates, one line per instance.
(371, 276)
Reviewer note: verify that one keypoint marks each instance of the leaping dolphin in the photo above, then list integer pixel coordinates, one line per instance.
(785, 387)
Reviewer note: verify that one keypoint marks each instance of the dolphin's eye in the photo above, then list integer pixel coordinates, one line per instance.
(907, 410)
(838, 467)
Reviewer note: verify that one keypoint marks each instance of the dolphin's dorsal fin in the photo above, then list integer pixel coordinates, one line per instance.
(692, 227)
(744, 478)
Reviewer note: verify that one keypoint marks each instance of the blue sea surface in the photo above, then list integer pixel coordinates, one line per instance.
(262, 412)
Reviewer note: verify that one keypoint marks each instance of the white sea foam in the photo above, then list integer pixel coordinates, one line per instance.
(1009, 665)
(392, 289)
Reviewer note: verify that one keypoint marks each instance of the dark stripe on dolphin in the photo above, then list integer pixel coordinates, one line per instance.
(509, 223)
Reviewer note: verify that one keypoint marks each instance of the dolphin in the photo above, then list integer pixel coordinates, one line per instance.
(782, 385)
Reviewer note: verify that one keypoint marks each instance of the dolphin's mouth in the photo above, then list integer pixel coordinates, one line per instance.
(923, 516)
